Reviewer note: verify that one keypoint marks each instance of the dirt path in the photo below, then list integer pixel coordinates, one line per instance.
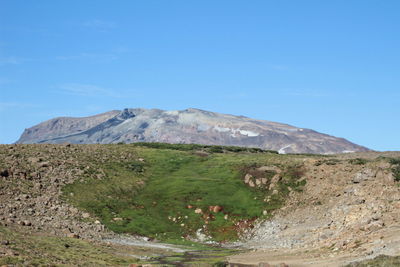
(293, 258)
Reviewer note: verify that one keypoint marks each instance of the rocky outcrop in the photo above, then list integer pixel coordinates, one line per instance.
(344, 207)
(31, 189)
(186, 126)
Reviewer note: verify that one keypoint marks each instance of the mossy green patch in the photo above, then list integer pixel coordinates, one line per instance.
(169, 194)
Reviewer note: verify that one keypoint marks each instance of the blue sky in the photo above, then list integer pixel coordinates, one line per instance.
(332, 66)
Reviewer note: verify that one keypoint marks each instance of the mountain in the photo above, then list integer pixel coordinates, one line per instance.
(185, 126)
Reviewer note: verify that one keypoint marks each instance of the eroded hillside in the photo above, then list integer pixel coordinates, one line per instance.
(349, 209)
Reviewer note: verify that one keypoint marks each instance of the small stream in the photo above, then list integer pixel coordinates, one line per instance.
(142, 243)
(195, 257)
(180, 256)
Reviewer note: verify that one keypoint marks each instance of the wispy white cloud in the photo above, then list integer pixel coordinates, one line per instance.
(11, 60)
(100, 25)
(89, 56)
(87, 90)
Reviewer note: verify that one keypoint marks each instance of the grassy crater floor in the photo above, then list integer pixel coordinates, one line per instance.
(175, 193)
(20, 248)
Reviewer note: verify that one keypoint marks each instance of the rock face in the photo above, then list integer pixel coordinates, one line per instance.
(345, 207)
(62, 127)
(186, 126)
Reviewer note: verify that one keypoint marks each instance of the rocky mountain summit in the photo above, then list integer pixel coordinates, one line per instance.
(185, 126)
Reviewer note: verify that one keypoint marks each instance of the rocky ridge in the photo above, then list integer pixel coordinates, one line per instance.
(185, 126)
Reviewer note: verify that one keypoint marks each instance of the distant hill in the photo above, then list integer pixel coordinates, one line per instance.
(185, 126)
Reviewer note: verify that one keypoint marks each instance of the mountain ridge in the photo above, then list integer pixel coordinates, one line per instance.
(185, 126)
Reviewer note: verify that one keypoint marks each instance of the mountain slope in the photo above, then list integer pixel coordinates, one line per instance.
(63, 126)
(186, 126)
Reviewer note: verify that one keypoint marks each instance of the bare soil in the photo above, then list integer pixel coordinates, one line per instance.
(347, 212)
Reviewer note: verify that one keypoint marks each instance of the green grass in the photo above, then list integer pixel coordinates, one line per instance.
(151, 198)
(206, 148)
(40, 249)
(44, 250)
(379, 261)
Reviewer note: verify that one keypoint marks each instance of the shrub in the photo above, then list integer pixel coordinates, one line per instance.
(358, 161)
(208, 148)
(396, 173)
(327, 162)
(394, 161)
(396, 168)
(220, 264)
(216, 149)
(136, 167)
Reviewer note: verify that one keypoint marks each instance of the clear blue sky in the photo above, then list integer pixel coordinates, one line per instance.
(332, 66)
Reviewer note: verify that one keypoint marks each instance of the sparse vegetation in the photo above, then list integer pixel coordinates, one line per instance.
(327, 162)
(396, 168)
(28, 250)
(358, 161)
(394, 161)
(379, 261)
(396, 173)
(291, 179)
